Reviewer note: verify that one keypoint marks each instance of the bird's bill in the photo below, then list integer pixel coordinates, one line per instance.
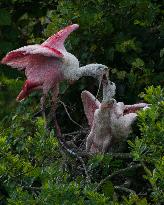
(134, 108)
(106, 105)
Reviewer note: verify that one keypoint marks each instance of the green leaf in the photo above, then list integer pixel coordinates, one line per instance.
(5, 46)
(63, 87)
(5, 18)
(162, 52)
(142, 202)
(108, 189)
(138, 63)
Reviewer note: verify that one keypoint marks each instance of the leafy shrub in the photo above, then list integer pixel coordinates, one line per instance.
(35, 170)
(148, 148)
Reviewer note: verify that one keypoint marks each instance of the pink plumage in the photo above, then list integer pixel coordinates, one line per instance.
(110, 122)
(42, 63)
(57, 40)
(90, 104)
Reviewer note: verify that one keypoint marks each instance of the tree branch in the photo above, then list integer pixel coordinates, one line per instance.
(114, 155)
(121, 188)
(65, 107)
(68, 150)
(121, 171)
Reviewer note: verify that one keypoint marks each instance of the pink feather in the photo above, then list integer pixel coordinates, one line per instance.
(90, 104)
(42, 63)
(57, 40)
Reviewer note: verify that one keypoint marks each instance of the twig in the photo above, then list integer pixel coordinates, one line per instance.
(79, 132)
(68, 150)
(22, 173)
(114, 155)
(121, 171)
(65, 107)
(76, 135)
(121, 188)
(142, 194)
(31, 188)
(120, 155)
(148, 172)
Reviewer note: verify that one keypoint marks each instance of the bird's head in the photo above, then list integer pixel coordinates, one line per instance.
(108, 104)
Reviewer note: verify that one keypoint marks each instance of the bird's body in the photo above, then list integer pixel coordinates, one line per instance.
(121, 122)
(70, 63)
(100, 135)
(110, 121)
(48, 64)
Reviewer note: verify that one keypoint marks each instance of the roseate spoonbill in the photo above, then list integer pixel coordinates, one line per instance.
(47, 64)
(109, 121)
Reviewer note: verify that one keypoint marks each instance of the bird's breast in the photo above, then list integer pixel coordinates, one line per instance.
(70, 62)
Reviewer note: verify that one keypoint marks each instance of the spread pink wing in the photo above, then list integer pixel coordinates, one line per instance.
(20, 58)
(41, 62)
(57, 40)
(52, 47)
(41, 71)
(41, 67)
(90, 104)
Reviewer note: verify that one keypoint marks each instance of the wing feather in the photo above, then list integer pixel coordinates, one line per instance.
(41, 69)
(90, 104)
(19, 58)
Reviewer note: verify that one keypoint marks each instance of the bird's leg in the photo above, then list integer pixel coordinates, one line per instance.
(55, 92)
(50, 116)
(89, 141)
(42, 105)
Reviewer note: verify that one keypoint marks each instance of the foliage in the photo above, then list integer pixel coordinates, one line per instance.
(35, 170)
(148, 148)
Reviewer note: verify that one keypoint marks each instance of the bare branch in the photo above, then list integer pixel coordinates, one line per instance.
(122, 188)
(65, 107)
(121, 171)
(31, 188)
(68, 150)
(114, 155)
(82, 131)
